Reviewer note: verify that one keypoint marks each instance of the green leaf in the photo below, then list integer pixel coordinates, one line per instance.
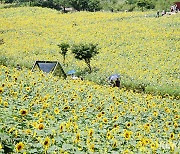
(67, 146)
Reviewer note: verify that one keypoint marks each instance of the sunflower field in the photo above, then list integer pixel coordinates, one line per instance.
(144, 49)
(41, 113)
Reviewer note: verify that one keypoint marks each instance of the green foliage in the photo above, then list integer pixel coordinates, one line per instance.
(142, 4)
(148, 4)
(79, 4)
(89, 5)
(162, 4)
(9, 1)
(6, 141)
(47, 3)
(110, 5)
(128, 7)
(85, 52)
(64, 49)
(131, 1)
(95, 5)
(61, 4)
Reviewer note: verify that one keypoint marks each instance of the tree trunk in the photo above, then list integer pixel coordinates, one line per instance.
(64, 58)
(89, 65)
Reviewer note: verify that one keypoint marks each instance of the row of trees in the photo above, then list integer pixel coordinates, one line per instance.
(96, 5)
(79, 5)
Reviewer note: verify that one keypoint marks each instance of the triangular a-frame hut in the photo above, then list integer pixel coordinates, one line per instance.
(53, 67)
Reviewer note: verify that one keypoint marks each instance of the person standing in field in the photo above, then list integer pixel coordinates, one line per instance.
(158, 13)
(117, 83)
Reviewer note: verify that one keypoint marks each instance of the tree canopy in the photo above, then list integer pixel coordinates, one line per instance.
(85, 52)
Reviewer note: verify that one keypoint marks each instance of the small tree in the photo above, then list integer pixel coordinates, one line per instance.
(64, 49)
(85, 52)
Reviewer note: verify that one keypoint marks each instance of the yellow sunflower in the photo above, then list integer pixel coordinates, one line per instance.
(27, 89)
(91, 147)
(1, 89)
(154, 145)
(78, 137)
(41, 126)
(109, 135)
(90, 132)
(127, 134)
(66, 108)
(19, 146)
(105, 120)
(126, 151)
(155, 113)
(46, 142)
(172, 136)
(23, 112)
(5, 104)
(115, 117)
(1, 146)
(61, 127)
(147, 126)
(56, 110)
(129, 124)
(99, 115)
(114, 145)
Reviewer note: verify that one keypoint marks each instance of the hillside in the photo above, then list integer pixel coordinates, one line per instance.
(142, 48)
(40, 113)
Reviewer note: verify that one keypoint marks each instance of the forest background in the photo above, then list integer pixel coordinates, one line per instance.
(95, 5)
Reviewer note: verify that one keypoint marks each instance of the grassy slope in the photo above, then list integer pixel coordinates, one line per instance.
(142, 48)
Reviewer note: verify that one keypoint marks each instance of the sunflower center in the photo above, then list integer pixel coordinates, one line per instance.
(19, 147)
(46, 143)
